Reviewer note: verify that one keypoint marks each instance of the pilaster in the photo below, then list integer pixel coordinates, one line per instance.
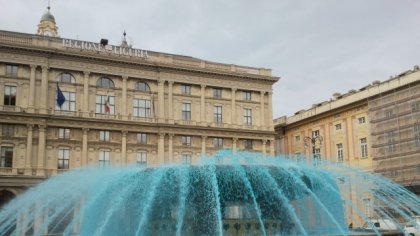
(86, 93)
(170, 103)
(31, 98)
(29, 157)
(161, 103)
(124, 148)
(44, 90)
(203, 104)
(262, 119)
(234, 144)
(203, 145)
(124, 98)
(161, 149)
(85, 147)
(41, 151)
(170, 148)
(233, 105)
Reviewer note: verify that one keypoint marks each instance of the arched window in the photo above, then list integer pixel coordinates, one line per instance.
(142, 86)
(105, 82)
(66, 78)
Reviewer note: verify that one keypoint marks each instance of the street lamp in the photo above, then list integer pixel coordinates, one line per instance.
(312, 141)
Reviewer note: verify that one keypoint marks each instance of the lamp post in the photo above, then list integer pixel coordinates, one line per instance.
(312, 141)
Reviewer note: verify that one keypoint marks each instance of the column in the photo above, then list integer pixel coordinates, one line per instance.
(124, 148)
(170, 105)
(262, 120)
(264, 149)
(44, 90)
(327, 142)
(161, 103)
(350, 141)
(85, 147)
(203, 146)
(86, 93)
(270, 110)
(41, 151)
(28, 160)
(234, 144)
(31, 102)
(272, 147)
(161, 149)
(171, 148)
(203, 104)
(233, 116)
(124, 98)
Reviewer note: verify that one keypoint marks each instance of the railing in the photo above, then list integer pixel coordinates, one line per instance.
(10, 108)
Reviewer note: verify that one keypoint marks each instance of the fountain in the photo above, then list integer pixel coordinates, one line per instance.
(226, 194)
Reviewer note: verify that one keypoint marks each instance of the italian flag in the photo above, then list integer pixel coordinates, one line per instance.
(107, 106)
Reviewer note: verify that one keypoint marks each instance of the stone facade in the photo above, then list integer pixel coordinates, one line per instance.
(163, 108)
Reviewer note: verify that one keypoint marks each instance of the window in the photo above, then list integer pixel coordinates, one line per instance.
(362, 120)
(104, 135)
(298, 155)
(363, 147)
(185, 89)
(142, 159)
(142, 138)
(247, 116)
(142, 86)
(105, 82)
(6, 157)
(141, 108)
(417, 128)
(7, 130)
(11, 70)
(70, 102)
(388, 113)
(105, 104)
(315, 133)
(417, 140)
(66, 78)
(415, 106)
(338, 127)
(104, 158)
(217, 92)
(186, 159)
(186, 140)
(317, 156)
(218, 142)
(248, 144)
(247, 95)
(64, 133)
(63, 158)
(217, 110)
(340, 152)
(9, 95)
(186, 111)
(297, 138)
(368, 207)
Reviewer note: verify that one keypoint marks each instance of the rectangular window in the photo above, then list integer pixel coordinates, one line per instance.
(104, 159)
(105, 104)
(415, 106)
(363, 147)
(217, 111)
(142, 138)
(247, 116)
(186, 159)
(9, 95)
(70, 102)
(186, 111)
(297, 138)
(248, 144)
(6, 157)
(362, 120)
(141, 108)
(141, 159)
(417, 140)
(338, 127)
(11, 70)
(63, 158)
(104, 135)
(7, 130)
(315, 133)
(247, 95)
(340, 156)
(317, 156)
(64, 133)
(388, 113)
(368, 207)
(218, 142)
(217, 92)
(186, 140)
(186, 89)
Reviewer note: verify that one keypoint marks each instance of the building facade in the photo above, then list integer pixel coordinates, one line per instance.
(374, 128)
(67, 104)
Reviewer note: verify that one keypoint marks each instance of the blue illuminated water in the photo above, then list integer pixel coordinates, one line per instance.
(225, 194)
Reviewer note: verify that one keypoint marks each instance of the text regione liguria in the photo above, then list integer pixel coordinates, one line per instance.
(97, 47)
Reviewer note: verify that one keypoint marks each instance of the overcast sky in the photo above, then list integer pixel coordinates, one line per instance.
(316, 47)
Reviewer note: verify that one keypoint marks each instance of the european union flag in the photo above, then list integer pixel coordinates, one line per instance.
(60, 97)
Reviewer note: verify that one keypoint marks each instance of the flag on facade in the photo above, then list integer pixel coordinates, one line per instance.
(60, 97)
(107, 106)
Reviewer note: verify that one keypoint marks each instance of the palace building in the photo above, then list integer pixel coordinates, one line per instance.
(67, 104)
